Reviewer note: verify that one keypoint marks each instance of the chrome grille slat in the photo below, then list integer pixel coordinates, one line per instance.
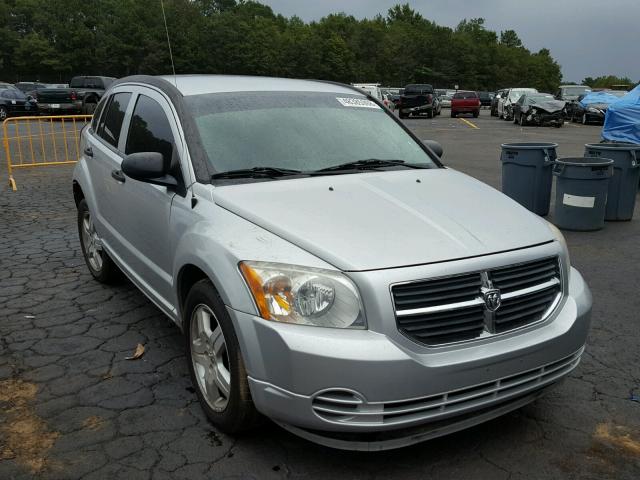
(452, 309)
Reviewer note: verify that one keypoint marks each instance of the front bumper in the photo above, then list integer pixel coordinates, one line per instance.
(418, 110)
(360, 389)
(541, 118)
(595, 117)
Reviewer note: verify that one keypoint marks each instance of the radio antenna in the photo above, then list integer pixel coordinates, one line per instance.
(166, 29)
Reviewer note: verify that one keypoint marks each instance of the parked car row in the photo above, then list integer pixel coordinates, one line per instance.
(591, 107)
(577, 103)
(80, 96)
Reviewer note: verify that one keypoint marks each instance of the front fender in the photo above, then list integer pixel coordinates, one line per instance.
(83, 179)
(216, 240)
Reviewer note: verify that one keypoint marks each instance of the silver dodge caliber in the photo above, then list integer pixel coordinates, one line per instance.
(327, 271)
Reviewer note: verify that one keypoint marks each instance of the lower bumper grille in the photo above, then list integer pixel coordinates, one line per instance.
(345, 407)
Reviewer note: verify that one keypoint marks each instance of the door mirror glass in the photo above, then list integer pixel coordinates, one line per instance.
(150, 167)
(434, 146)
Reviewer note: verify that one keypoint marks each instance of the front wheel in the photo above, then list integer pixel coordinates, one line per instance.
(89, 107)
(97, 259)
(215, 362)
(453, 114)
(4, 113)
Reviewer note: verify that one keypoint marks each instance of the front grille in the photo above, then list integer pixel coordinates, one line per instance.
(331, 405)
(453, 309)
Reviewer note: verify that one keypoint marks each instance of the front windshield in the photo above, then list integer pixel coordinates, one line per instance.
(514, 95)
(298, 130)
(618, 93)
(575, 91)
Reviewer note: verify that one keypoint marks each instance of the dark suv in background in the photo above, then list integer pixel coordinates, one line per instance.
(82, 96)
(419, 99)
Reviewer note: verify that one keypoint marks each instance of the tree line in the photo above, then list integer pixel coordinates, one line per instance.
(52, 40)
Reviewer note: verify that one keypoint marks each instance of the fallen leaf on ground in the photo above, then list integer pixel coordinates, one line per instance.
(138, 353)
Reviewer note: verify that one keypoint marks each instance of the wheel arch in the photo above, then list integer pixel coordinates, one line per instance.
(188, 276)
(78, 194)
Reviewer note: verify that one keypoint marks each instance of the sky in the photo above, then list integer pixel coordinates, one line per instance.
(588, 38)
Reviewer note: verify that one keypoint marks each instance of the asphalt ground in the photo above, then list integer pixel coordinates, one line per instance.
(72, 406)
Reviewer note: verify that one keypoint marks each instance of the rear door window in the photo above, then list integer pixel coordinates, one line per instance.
(111, 123)
(150, 130)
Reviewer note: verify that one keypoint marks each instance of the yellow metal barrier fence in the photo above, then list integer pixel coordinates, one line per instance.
(41, 141)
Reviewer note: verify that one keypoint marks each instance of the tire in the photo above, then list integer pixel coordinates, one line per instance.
(476, 114)
(89, 107)
(402, 115)
(98, 261)
(453, 114)
(4, 113)
(430, 113)
(207, 324)
(523, 122)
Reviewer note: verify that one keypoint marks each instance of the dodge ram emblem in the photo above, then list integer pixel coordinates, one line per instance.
(492, 299)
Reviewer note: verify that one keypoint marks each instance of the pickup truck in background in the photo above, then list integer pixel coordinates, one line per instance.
(418, 99)
(465, 102)
(81, 97)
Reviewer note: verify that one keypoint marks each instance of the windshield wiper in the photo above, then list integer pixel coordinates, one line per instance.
(370, 163)
(256, 172)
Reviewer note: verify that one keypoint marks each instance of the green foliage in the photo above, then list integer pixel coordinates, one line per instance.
(606, 81)
(51, 40)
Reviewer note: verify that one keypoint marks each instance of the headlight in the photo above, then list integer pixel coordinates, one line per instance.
(593, 110)
(302, 295)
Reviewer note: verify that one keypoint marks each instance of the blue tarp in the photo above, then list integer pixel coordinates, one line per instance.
(622, 123)
(598, 97)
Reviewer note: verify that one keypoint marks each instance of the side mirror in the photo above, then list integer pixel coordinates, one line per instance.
(434, 146)
(149, 167)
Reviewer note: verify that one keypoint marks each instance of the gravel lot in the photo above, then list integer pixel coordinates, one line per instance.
(72, 406)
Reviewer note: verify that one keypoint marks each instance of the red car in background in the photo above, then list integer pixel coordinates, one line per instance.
(465, 102)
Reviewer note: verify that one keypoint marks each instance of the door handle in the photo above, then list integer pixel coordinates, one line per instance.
(118, 175)
(88, 151)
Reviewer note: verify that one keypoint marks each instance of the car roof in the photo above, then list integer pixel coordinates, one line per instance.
(201, 84)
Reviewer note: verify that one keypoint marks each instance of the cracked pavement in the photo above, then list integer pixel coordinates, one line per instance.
(72, 406)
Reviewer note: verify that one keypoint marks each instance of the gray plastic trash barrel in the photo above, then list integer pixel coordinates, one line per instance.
(581, 192)
(623, 186)
(526, 174)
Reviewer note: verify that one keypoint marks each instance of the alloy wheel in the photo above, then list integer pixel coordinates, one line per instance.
(210, 358)
(91, 242)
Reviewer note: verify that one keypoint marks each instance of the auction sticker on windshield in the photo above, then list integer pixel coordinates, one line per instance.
(357, 102)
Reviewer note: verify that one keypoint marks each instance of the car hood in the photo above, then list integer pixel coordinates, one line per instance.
(389, 219)
(549, 105)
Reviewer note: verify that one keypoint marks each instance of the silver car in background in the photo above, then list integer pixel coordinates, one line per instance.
(327, 271)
